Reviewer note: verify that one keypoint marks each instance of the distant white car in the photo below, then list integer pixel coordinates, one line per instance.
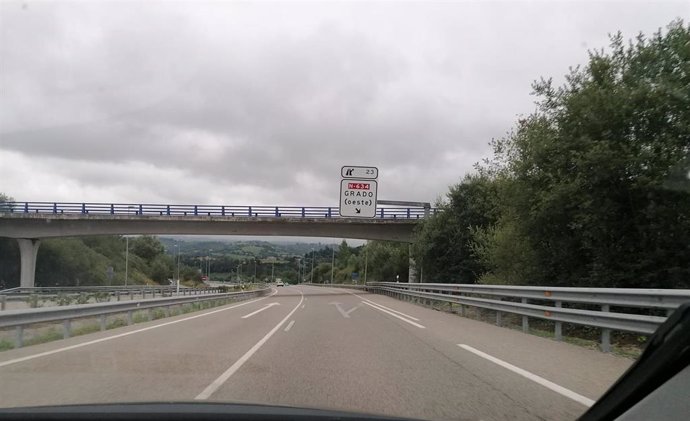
(280, 284)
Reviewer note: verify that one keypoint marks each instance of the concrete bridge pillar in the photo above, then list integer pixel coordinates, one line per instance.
(412, 268)
(28, 251)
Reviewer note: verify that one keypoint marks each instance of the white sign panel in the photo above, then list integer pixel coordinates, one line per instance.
(358, 198)
(354, 171)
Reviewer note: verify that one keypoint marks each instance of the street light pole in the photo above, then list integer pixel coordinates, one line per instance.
(126, 260)
(366, 261)
(177, 289)
(332, 265)
(299, 270)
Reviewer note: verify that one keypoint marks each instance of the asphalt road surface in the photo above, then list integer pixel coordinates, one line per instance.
(319, 347)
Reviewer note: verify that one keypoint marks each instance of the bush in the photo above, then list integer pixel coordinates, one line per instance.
(64, 299)
(102, 297)
(34, 301)
(83, 298)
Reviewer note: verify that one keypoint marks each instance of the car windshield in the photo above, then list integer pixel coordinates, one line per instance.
(434, 210)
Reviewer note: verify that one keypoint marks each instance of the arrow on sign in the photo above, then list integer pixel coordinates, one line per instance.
(346, 314)
(358, 210)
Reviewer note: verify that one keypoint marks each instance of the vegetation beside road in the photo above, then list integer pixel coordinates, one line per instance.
(590, 190)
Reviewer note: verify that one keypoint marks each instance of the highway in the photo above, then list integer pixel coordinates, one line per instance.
(319, 347)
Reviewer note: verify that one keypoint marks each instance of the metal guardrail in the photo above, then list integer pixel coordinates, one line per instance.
(149, 209)
(160, 289)
(547, 304)
(22, 293)
(19, 319)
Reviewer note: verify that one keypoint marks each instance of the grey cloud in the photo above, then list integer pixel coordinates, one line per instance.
(236, 102)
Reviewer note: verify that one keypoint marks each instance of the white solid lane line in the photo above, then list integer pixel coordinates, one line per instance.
(387, 308)
(96, 341)
(217, 383)
(394, 315)
(267, 306)
(537, 379)
(390, 309)
(289, 326)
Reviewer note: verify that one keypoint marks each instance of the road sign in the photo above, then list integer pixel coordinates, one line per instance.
(358, 198)
(354, 171)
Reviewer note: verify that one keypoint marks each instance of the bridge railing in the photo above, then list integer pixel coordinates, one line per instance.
(610, 309)
(151, 209)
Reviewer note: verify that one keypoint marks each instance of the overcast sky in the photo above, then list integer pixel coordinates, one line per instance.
(262, 103)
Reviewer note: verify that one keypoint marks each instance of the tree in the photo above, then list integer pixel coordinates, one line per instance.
(386, 260)
(589, 171)
(5, 203)
(443, 242)
(147, 247)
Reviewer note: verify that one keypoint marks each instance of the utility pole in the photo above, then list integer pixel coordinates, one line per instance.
(332, 265)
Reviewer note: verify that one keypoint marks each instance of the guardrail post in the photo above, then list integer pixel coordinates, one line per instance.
(381, 212)
(102, 320)
(558, 333)
(117, 295)
(525, 320)
(222, 210)
(19, 337)
(83, 208)
(605, 333)
(131, 295)
(66, 329)
(130, 318)
(167, 209)
(143, 293)
(26, 207)
(250, 211)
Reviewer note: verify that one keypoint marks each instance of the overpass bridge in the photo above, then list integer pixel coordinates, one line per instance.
(29, 222)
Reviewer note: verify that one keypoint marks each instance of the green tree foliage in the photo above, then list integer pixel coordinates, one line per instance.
(385, 260)
(592, 188)
(443, 246)
(4, 205)
(85, 260)
(147, 247)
